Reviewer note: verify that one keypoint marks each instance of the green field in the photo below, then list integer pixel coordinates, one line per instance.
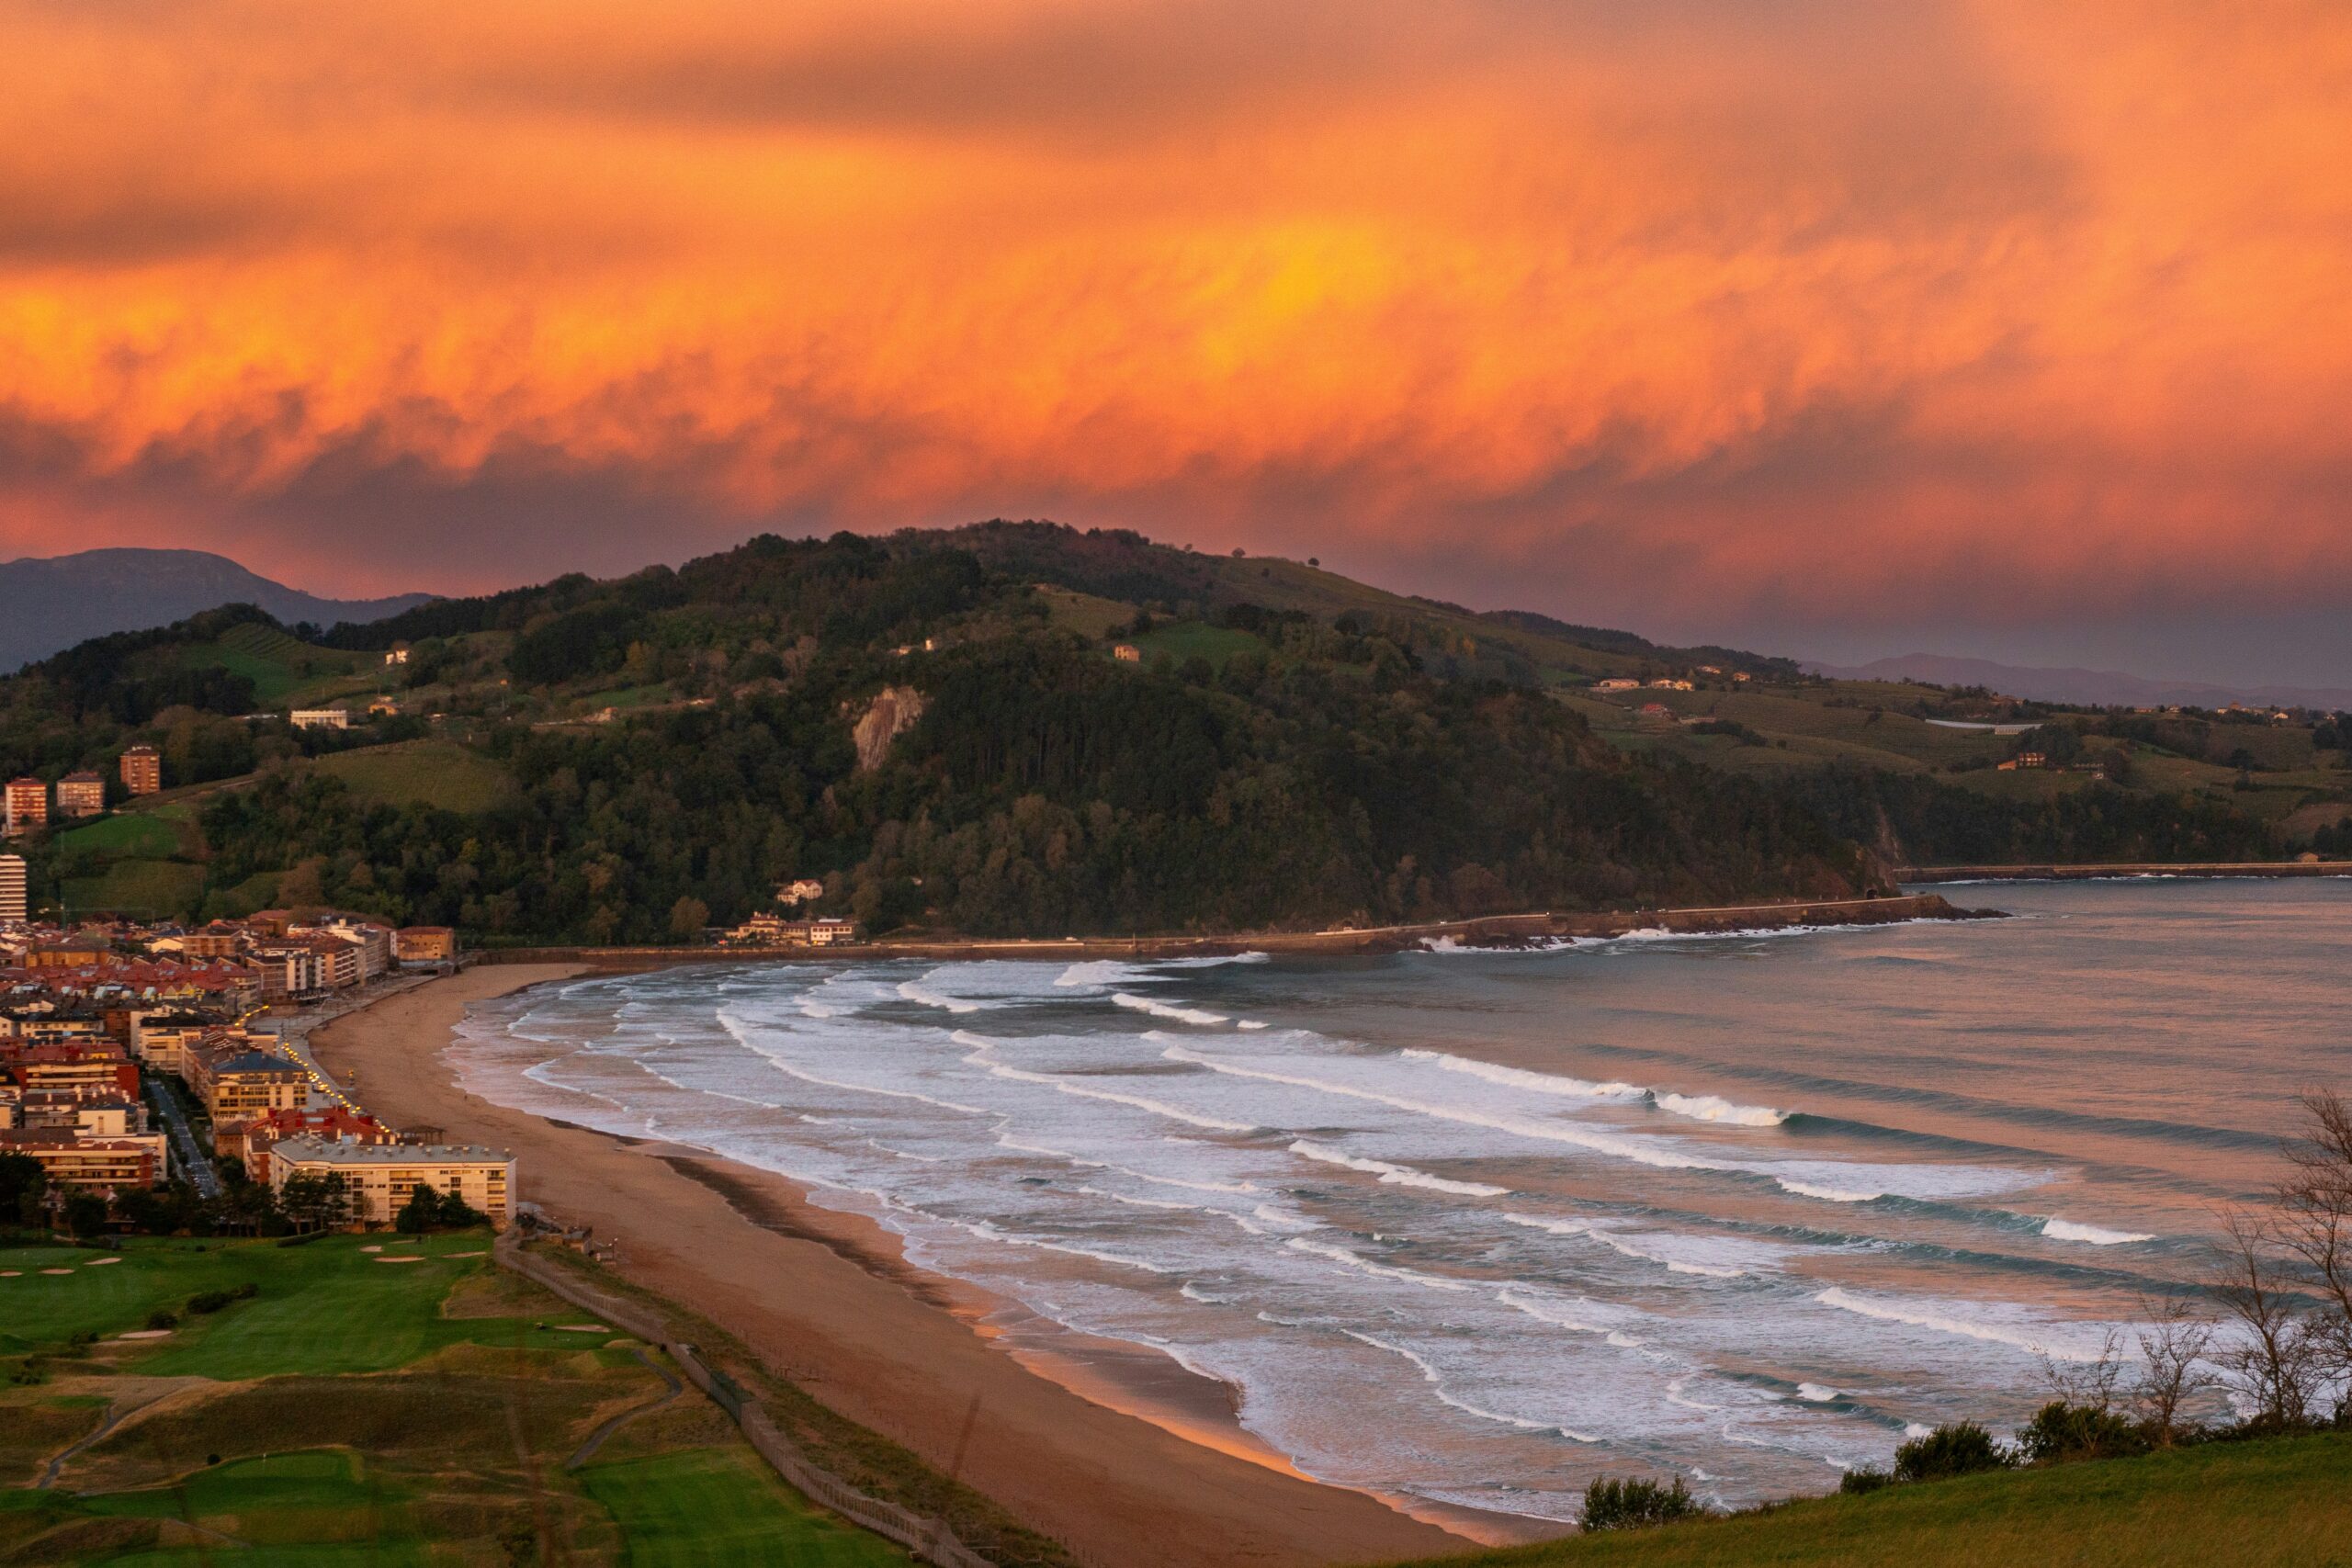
(285, 670)
(127, 833)
(1192, 639)
(2251, 1504)
(360, 1410)
(428, 773)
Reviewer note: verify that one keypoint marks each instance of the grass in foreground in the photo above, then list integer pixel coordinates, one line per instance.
(2270, 1503)
(359, 1410)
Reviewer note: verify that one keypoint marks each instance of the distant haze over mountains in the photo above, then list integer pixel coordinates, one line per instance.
(48, 605)
(2099, 688)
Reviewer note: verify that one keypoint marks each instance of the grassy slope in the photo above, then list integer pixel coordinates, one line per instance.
(127, 833)
(434, 772)
(362, 1411)
(2258, 1504)
(285, 670)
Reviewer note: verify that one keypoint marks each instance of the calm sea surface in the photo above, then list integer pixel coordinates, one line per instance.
(1479, 1226)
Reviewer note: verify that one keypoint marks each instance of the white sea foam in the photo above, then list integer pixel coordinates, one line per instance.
(982, 1053)
(1363, 1265)
(1713, 1108)
(1166, 1009)
(1520, 1077)
(750, 1042)
(1828, 1194)
(1437, 1386)
(1676, 1254)
(2040, 1341)
(1814, 1394)
(1395, 1175)
(1638, 1150)
(2067, 1230)
(1097, 971)
(988, 1231)
(1249, 1023)
(1543, 1311)
(916, 991)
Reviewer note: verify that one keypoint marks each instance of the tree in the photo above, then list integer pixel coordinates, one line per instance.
(24, 1187)
(2316, 1223)
(2173, 1348)
(85, 1216)
(687, 917)
(421, 1214)
(315, 1202)
(2274, 1363)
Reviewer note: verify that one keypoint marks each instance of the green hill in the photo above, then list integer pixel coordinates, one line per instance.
(629, 760)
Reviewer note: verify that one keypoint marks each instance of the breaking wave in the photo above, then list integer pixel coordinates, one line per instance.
(1166, 1009)
(1397, 1175)
(2067, 1230)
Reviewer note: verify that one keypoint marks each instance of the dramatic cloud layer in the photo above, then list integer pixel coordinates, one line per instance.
(1702, 314)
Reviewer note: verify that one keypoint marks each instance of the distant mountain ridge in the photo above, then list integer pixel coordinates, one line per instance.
(2092, 688)
(50, 603)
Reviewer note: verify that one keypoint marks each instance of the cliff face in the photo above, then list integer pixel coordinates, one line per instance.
(892, 713)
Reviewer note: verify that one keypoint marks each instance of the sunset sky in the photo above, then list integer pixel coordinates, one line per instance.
(2019, 330)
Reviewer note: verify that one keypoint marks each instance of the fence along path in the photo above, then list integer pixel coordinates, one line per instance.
(929, 1539)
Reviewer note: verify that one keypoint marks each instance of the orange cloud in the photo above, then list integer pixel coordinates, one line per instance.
(1693, 309)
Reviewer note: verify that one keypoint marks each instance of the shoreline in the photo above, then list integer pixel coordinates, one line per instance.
(1123, 1460)
(2120, 870)
(1484, 930)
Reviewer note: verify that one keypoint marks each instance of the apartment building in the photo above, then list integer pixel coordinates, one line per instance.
(12, 888)
(92, 1164)
(382, 1176)
(80, 794)
(142, 771)
(28, 804)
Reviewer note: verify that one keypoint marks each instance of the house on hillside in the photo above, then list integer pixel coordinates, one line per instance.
(80, 794)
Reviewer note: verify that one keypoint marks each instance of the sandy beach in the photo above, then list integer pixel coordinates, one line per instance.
(825, 1298)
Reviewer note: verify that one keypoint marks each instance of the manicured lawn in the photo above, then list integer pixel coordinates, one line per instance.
(2258, 1504)
(357, 1410)
(325, 1307)
(719, 1508)
(429, 773)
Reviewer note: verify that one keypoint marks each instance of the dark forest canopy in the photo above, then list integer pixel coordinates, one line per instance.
(1282, 757)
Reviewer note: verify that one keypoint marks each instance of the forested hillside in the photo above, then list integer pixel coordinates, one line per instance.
(942, 729)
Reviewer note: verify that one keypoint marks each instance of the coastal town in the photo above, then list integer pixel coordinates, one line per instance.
(137, 1057)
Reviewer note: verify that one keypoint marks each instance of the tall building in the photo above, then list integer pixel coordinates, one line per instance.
(28, 804)
(80, 794)
(142, 771)
(12, 887)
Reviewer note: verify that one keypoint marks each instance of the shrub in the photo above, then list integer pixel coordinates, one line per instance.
(213, 1300)
(2061, 1431)
(162, 1317)
(1957, 1448)
(1855, 1483)
(1614, 1505)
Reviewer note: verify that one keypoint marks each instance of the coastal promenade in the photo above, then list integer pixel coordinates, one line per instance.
(1500, 931)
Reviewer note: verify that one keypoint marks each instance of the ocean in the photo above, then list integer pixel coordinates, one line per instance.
(1476, 1226)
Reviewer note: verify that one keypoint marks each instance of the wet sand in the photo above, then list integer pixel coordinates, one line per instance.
(1107, 1447)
